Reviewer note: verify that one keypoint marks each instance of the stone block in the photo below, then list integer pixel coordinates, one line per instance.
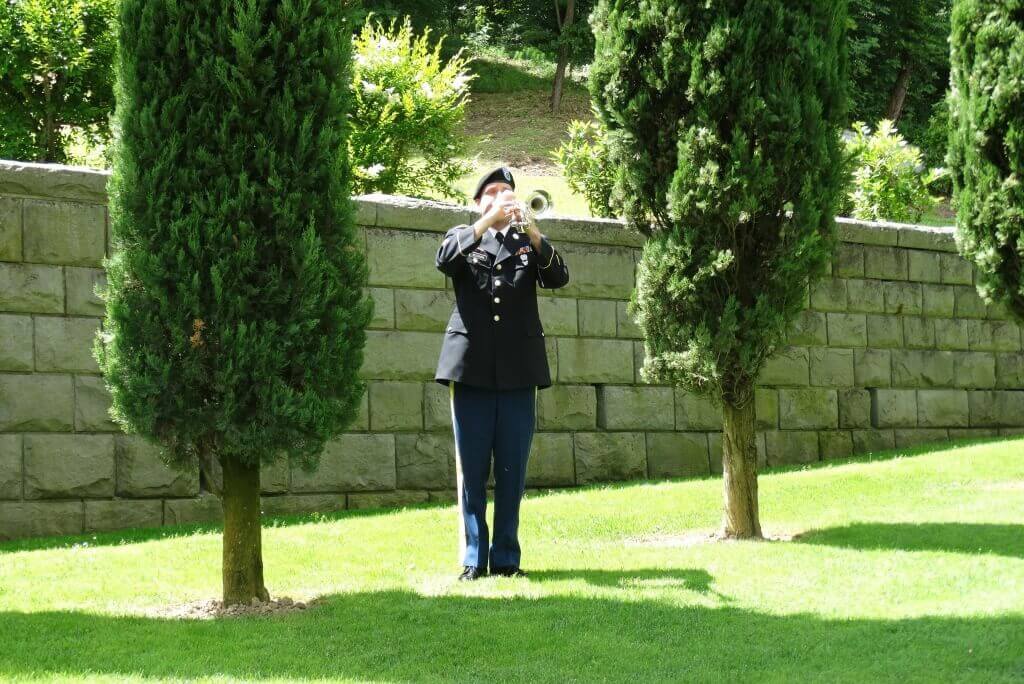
(849, 261)
(847, 330)
(766, 409)
(417, 214)
(608, 456)
(923, 369)
(831, 367)
(396, 406)
(924, 266)
(942, 408)
(551, 461)
(872, 367)
(567, 407)
(302, 504)
(598, 271)
(362, 420)
(903, 298)
(626, 327)
(829, 294)
(906, 439)
(969, 304)
(919, 332)
(1006, 336)
(952, 333)
(854, 408)
(635, 408)
(867, 232)
(10, 229)
(40, 519)
(64, 233)
(65, 344)
(955, 269)
(838, 444)
(587, 360)
(92, 405)
(437, 407)
(597, 317)
(400, 355)
(43, 403)
(105, 516)
(885, 332)
(873, 441)
(423, 309)
(558, 315)
(677, 454)
(972, 434)
(551, 351)
(809, 328)
(938, 301)
(885, 263)
(695, 412)
(395, 499)
(275, 477)
(83, 286)
(425, 460)
(808, 409)
(141, 472)
(10, 466)
(383, 307)
(893, 408)
(786, 447)
(15, 343)
(999, 408)
(1009, 371)
(403, 258)
(789, 367)
(865, 296)
(69, 466)
(205, 508)
(931, 238)
(31, 288)
(350, 463)
(980, 335)
(974, 369)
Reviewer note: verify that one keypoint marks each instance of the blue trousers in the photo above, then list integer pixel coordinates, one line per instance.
(501, 422)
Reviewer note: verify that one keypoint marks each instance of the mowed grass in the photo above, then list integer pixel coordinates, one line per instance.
(908, 569)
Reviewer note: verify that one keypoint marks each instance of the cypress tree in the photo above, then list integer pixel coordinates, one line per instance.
(986, 144)
(723, 126)
(236, 309)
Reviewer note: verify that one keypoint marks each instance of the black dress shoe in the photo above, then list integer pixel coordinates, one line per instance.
(470, 573)
(508, 571)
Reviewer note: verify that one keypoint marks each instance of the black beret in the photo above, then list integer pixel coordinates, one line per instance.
(498, 175)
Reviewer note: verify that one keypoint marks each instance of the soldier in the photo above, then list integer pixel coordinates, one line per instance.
(493, 360)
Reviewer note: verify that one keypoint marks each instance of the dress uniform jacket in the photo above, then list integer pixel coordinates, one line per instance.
(494, 337)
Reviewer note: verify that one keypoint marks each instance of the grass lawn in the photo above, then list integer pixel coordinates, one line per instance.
(906, 569)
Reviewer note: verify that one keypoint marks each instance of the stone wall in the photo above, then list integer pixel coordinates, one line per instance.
(894, 350)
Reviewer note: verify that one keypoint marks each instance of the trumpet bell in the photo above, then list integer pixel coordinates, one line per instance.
(539, 202)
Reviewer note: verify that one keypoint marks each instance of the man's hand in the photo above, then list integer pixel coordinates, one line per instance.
(501, 211)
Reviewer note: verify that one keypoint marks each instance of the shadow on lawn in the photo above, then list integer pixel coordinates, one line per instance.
(698, 581)
(405, 636)
(978, 538)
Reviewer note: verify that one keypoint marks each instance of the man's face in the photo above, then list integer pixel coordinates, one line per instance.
(490, 193)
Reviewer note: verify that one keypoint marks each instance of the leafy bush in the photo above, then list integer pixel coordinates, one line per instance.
(890, 180)
(407, 113)
(56, 76)
(584, 161)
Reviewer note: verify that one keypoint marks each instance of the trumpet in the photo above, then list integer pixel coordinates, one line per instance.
(537, 203)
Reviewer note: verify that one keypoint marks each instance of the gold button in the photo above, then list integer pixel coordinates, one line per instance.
(497, 317)
(497, 300)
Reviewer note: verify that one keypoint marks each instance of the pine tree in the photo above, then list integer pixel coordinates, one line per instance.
(236, 310)
(986, 144)
(723, 126)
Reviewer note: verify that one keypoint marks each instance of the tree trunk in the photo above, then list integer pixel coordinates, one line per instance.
(563, 56)
(739, 467)
(899, 94)
(243, 552)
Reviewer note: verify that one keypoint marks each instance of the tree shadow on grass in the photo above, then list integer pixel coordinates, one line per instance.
(973, 538)
(695, 580)
(400, 635)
